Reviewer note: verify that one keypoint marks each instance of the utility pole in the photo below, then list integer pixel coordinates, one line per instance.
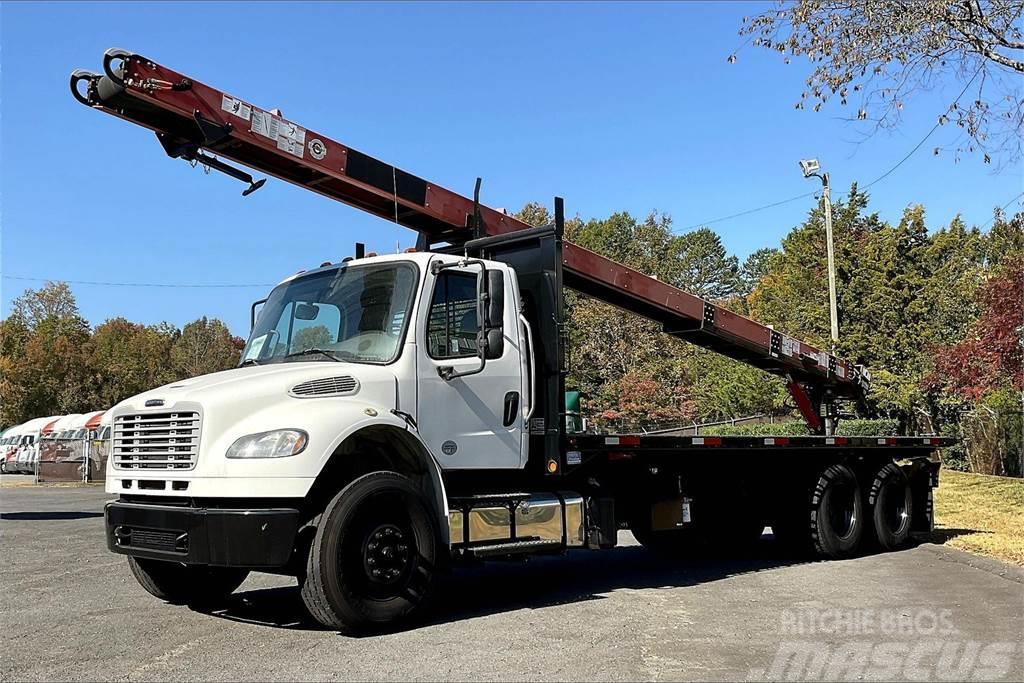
(811, 167)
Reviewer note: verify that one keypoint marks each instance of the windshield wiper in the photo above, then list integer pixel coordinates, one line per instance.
(309, 352)
(248, 361)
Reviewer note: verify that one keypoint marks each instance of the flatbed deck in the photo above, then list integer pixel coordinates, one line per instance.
(588, 448)
(671, 442)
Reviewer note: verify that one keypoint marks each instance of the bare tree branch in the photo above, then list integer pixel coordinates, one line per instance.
(888, 51)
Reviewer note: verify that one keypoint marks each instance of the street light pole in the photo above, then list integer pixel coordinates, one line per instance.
(811, 167)
(833, 308)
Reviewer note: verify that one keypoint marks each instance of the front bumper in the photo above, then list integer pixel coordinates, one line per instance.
(250, 538)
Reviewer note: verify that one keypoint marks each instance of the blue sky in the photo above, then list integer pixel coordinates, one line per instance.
(613, 106)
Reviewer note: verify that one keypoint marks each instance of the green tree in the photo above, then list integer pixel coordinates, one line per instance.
(632, 374)
(205, 346)
(534, 214)
(1005, 240)
(792, 293)
(128, 358)
(698, 263)
(14, 335)
(313, 337)
(954, 264)
(758, 264)
(883, 312)
(52, 300)
(725, 389)
(45, 369)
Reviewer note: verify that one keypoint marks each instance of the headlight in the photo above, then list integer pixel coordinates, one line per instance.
(279, 443)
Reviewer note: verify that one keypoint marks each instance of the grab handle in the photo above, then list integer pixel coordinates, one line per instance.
(532, 365)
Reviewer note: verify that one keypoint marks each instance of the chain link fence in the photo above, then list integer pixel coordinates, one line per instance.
(80, 457)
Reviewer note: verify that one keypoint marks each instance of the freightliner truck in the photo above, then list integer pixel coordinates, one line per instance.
(395, 415)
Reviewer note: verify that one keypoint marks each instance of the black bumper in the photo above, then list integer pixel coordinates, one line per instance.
(251, 538)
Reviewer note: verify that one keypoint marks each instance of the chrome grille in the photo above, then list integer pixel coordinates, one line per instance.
(326, 386)
(156, 441)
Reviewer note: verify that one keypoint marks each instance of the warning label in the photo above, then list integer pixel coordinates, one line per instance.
(290, 137)
(236, 107)
(261, 121)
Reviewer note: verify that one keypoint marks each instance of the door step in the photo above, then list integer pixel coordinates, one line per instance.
(515, 548)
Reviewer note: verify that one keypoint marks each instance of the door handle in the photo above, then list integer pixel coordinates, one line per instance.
(511, 408)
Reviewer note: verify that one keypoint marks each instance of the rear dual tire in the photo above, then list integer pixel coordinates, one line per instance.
(842, 520)
(837, 513)
(892, 507)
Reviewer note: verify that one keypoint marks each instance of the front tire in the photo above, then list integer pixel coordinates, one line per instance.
(186, 584)
(373, 560)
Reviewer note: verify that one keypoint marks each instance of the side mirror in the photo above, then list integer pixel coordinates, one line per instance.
(494, 319)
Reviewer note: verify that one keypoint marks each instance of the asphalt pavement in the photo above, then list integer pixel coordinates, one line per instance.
(70, 610)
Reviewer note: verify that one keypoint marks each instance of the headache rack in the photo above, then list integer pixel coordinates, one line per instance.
(193, 121)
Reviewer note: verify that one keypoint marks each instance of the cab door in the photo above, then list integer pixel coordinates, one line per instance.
(474, 421)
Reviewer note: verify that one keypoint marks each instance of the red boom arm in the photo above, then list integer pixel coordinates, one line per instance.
(190, 117)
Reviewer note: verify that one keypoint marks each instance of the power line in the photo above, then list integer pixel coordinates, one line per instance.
(1002, 208)
(134, 284)
(864, 187)
(901, 161)
(750, 211)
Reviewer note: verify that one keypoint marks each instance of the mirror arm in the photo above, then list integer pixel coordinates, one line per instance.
(252, 314)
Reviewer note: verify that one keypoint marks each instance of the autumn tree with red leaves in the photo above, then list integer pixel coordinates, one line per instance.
(991, 356)
(645, 401)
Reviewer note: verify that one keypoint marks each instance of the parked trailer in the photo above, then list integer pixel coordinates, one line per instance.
(8, 446)
(99, 444)
(29, 434)
(62, 456)
(393, 415)
(55, 440)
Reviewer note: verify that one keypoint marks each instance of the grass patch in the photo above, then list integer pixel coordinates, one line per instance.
(981, 514)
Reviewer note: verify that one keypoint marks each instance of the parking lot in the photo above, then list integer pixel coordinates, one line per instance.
(72, 611)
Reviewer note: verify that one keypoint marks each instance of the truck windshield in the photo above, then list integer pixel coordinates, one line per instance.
(354, 313)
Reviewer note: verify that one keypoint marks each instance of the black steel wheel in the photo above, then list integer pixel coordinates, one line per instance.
(892, 507)
(837, 523)
(373, 558)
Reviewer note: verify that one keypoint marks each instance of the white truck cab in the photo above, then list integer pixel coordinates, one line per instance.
(336, 350)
